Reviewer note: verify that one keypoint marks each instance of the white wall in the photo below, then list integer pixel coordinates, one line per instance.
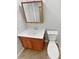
(52, 17)
(21, 25)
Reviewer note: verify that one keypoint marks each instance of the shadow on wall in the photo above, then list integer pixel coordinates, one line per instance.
(22, 12)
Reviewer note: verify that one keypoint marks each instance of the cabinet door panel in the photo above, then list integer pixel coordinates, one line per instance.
(26, 42)
(37, 44)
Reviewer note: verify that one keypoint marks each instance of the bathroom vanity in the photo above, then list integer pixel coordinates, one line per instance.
(33, 39)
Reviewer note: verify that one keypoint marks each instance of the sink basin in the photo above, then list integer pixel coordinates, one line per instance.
(32, 32)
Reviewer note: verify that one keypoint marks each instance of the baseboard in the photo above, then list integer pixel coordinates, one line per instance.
(20, 52)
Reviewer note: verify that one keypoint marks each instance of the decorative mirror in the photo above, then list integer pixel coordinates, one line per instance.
(33, 10)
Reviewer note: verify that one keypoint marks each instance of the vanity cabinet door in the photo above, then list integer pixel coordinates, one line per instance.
(26, 42)
(37, 44)
(32, 43)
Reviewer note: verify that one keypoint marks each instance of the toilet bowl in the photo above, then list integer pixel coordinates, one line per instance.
(52, 49)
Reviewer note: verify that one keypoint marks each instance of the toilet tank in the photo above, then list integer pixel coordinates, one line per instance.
(52, 35)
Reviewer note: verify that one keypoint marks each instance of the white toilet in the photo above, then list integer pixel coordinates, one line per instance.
(52, 49)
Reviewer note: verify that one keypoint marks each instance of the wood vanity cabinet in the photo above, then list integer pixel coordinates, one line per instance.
(32, 43)
(33, 39)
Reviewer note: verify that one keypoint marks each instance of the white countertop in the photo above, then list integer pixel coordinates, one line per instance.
(33, 33)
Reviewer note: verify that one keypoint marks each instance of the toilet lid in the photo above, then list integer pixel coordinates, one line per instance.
(52, 50)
